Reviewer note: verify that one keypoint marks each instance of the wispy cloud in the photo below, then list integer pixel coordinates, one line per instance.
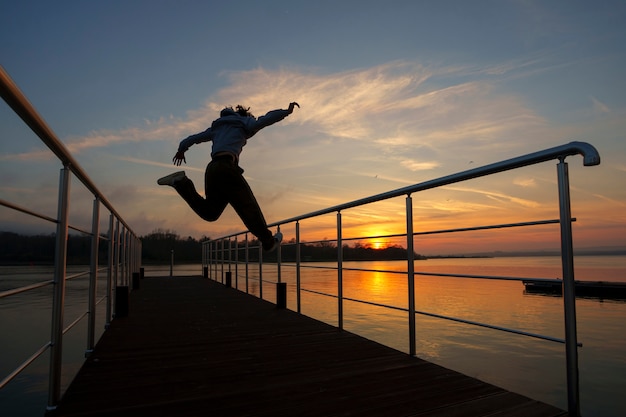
(394, 106)
(497, 196)
(525, 182)
(35, 155)
(599, 107)
(419, 166)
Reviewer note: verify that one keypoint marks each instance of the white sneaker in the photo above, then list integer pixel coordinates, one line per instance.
(278, 237)
(171, 179)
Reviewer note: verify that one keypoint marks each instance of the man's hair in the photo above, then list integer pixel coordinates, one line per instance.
(240, 110)
(243, 111)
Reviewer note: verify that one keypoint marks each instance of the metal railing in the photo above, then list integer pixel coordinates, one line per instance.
(218, 253)
(124, 248)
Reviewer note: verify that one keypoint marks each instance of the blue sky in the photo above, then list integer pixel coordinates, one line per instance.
(391, 93)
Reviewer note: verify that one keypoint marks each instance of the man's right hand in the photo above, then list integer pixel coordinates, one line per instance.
(179, 158)
(291, 106)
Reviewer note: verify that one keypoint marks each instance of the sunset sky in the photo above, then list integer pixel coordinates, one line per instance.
(392, 94)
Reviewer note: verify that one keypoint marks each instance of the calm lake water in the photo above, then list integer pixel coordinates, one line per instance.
(526, 365)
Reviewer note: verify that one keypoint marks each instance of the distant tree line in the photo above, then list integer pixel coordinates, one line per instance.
(157, 247)
(324, 251)
(16, 249)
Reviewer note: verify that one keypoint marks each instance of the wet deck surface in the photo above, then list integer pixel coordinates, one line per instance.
(193, 347)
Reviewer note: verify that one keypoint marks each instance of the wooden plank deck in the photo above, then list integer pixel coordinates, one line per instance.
(193, 347)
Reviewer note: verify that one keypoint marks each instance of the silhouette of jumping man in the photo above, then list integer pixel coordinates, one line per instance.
(223, 180)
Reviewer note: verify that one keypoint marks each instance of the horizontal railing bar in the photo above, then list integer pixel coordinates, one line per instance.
(376, 304)
(470, 322)
(25, 288)
(24, 365)
(429, 232)
(318, 292)
(76, 275)
(464, 229)
(492, 277)
(75, 322)
(437, 274)
(386, 271)
(27, 211)
(490, 326)
(85, 232)
(496, 226)
(590, 157)
(42, 284)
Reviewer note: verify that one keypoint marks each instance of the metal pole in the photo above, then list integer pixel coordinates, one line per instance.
(236, 262)
(123, 255)
(569, 295)
(93, 275)
(111, 257)
(339, 273)
(298, 266)
(210, 245)
(222, 261)
(172, 263)
(128, 258)
(203, 256)
(58, 301)
(410, 273)
(117, 251)
(260, 271)
(230, 256)
(247, 260)
(278, 260)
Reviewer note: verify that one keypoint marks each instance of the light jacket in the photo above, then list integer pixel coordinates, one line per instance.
(231, 131)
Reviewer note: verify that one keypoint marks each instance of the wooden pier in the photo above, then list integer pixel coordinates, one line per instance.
(193, 347)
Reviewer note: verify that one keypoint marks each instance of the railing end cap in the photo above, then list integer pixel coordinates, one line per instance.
(590, 154)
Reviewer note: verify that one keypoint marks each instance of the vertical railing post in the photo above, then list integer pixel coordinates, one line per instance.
(281, 287)
(247, 255)
(133, 248)
(203, 248)
(237, 262)
(339, 273)
(569, 294)
(122, 289)
(116, 267)
(410, 273)
(111, 259)
(123, 256)
(214, 260)
(205, 258)
(117, 252)
(210, 245)
(93, 276)
(128, 258)
(230, 257)
(260, 271)
(298, 267)
(278, 260)
(58, 301)
(222, 261)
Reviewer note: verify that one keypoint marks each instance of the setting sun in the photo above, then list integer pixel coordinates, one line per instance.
(377, 244)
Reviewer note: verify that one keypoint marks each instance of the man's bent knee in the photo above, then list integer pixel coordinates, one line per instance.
(211, 218)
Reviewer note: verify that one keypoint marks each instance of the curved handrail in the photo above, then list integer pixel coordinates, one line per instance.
(23, 108)
(590, 157)
(124, 251)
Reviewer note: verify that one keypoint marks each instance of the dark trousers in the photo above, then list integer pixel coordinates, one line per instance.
(224, 184)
